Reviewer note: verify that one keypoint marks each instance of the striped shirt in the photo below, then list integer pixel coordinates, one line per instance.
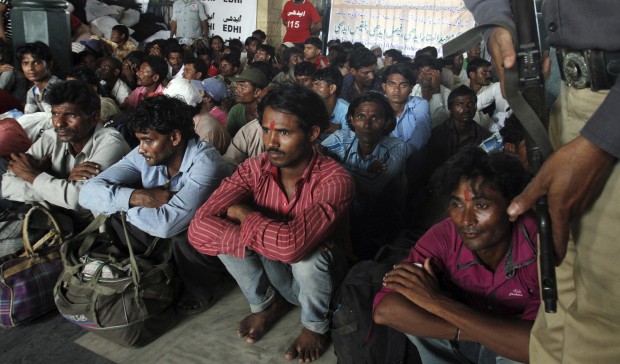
(279, 228)
(6, 17)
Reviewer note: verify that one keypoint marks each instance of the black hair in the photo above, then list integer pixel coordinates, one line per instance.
(158, 65)
(449, 60)
(202, 51)
(346, 45)
(163, 114)
(122, 30)
(340, 60)
(216, 37)
(85, 53)
(260, 34)
(305, 68)
(116, 63)
(501, 171)
(332, 76)
(199, 65)
(177, 48)
(75, 92)
(265, 68)
(235, 52)
(403, 69)
(334, 49)
(359, 45)
(393, 53)
(135, 57)
(333, 42)
(430, 50)
(235, 43)
(230, 58)
(421, 62)
(304, 103)
(271, 51)
(200, 43)
(376, 98)
(512, 132)
(286, 56)
(474, 64)
(362, 57)
(161, 43)
(250, 39)
(461, 91)
(38, 50)
(82, 72)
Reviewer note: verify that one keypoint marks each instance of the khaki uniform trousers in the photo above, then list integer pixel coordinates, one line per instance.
(586, 328)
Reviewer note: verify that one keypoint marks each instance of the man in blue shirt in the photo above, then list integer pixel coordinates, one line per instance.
(160, 185)
(376, 161)
(328, 83)
(413, 120)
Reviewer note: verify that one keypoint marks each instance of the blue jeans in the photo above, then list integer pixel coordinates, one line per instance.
(309, 283)
(438, 351)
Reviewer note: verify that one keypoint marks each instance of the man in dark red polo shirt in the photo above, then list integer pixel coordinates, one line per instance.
(469, 290)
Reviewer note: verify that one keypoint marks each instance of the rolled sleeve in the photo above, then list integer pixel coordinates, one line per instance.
(57, 191)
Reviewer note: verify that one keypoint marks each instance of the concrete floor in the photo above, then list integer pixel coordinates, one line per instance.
(209, 337)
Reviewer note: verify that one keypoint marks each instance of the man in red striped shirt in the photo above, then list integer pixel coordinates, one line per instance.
(278, 224)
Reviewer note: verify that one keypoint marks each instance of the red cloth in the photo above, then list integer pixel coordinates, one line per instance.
(279, 229)
(213, 71)
(9, 102)
(13, 138)
(298, 20)
(512, 291)
(74, 22)
(321, 62)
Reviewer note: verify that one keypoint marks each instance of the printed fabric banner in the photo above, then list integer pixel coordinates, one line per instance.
(407, 25)
(231, 18)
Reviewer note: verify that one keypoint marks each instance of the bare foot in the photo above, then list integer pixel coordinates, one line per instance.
(308, 346)
(255, 325)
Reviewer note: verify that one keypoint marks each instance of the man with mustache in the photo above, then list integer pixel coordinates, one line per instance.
(457, 131)
(160, 184)
(151, 75)
(279, 223)
(468, 292)
(446, 140)
(55, 167)
(490, 100)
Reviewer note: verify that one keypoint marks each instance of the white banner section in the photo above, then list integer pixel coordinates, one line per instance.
(231, 18)
(407, 25)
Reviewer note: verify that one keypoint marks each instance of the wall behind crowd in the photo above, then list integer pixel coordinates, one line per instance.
(407, 25)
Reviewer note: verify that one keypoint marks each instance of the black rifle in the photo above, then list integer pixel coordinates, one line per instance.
(531, 86)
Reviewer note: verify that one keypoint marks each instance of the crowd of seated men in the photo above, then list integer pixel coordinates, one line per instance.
(284, 170)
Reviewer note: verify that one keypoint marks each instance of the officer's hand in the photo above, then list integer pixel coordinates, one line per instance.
(572, 178)
(502, 49)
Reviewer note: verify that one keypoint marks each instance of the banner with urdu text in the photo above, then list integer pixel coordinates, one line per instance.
(407, 25)
(231, 18)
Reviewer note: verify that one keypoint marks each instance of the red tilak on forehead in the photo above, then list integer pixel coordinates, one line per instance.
(272, 125)
(467, 195)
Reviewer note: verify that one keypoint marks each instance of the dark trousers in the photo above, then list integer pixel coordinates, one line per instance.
(201, 275)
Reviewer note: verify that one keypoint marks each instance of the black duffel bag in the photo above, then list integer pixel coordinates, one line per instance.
(123, 297)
